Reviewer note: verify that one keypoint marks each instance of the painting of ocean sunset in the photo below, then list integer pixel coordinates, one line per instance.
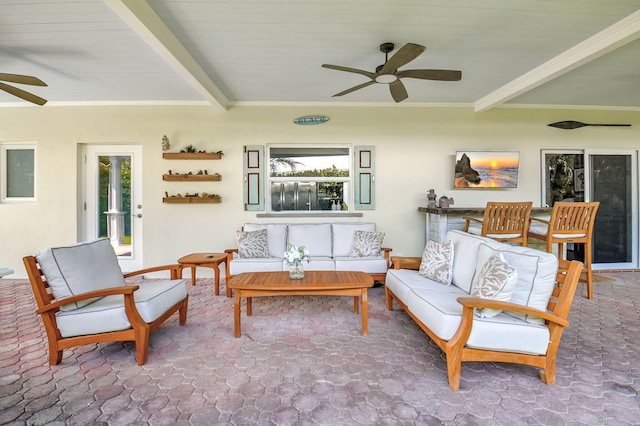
(486, 169)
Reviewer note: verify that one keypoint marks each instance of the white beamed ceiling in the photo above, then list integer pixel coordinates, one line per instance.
(579, 53)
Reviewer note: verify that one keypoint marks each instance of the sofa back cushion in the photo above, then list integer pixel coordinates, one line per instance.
(276, 236)
(80, 268)
(343, 236)
(315, 237)
(536, 274)
(465, 249)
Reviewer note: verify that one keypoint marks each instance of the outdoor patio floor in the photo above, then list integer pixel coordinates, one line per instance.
(303, 361)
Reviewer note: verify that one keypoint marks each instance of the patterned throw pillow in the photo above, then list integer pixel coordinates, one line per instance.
(497, 281)
(437, 262)
(367, 244)
(253, 244)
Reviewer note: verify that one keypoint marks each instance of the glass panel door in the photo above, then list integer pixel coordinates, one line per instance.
(113, 205)
(612, 178)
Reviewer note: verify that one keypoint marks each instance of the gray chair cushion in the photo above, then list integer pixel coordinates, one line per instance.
(152, 299)
(80, 268)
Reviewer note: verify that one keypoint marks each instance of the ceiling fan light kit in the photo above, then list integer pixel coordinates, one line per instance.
(388, 73)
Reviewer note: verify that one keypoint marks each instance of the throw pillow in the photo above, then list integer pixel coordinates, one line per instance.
(437, 262)
(253, 244)
(367, 244)
(496, 281)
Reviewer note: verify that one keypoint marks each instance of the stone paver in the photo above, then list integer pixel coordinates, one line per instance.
(302, 360)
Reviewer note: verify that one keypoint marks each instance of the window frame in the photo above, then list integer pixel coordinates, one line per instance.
(348, 181)
(5, 147)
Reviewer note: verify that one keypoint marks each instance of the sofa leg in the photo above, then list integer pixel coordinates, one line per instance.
(454, 365)
(389, 299)
(183, 311)
(142, 344)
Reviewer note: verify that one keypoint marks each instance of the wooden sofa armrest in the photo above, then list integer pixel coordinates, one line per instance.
(468, 303)
(406, 262)
(54, 305)
(174, 269)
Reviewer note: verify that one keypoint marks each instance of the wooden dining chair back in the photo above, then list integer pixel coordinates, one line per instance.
(502, 221)
(570, 222)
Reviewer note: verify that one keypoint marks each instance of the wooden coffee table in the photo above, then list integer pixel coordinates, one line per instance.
(205, 260)
(323, 283)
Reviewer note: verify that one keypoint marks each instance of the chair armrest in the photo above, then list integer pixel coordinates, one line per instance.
(536, 219)
(468, 303)
(124, 290)
(387, 253)
(468, 220)
(173, 268)
(406, 262)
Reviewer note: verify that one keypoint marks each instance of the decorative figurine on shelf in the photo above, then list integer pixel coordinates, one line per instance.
(165, 143)
(445, 202)
(431, 199)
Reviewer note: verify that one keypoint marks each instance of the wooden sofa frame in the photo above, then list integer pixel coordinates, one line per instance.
(139, 333)
(456, 350)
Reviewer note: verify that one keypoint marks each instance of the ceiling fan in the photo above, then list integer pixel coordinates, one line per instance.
(388, 73)
(22, 79)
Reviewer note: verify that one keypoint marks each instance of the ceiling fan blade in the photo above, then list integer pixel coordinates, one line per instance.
(398, 91)
(406, 54)
(22, 94)
(442, 75)
(347, 69)
(570, 125)
(354, 88)
(22, 79)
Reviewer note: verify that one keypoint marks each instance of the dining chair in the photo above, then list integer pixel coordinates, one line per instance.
(502, 221)
(570, 222)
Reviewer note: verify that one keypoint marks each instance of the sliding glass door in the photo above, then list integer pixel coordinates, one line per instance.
(609, 177)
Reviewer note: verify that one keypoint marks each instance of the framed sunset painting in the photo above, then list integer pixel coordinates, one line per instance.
(486, 169)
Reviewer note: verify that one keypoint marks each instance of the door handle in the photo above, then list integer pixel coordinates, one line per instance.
(139, 215)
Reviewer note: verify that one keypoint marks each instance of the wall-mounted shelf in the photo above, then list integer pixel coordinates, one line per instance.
(192, 200)
(191, 156)
(192, 178)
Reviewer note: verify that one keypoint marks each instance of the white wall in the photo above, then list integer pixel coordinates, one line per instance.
(415, 149)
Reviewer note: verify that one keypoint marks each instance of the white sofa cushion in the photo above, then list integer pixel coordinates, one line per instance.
(370, 265)
(437, 262)
(536, 274)
(441, 312)
(80, 268)
(319, 263)
(343, 236)
(464, 263)
(269, 264)
(315, 237)
(152, 299)
(276, 235)
(402, 281)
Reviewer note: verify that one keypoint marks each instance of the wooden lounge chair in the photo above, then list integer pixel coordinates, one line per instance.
(504, 222)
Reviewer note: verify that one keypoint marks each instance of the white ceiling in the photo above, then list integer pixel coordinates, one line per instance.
(225, 52)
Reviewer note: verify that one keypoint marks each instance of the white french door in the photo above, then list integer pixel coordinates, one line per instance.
(112, 205)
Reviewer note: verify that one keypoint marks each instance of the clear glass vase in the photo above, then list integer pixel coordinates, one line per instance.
(296, 271)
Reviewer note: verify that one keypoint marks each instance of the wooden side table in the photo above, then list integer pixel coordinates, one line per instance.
(205, 260)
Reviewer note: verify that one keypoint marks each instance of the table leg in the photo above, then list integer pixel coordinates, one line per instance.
(249, 308)
(356, 304)
(236, 315)
(216, 281)
(193, 275)
(365, 313)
